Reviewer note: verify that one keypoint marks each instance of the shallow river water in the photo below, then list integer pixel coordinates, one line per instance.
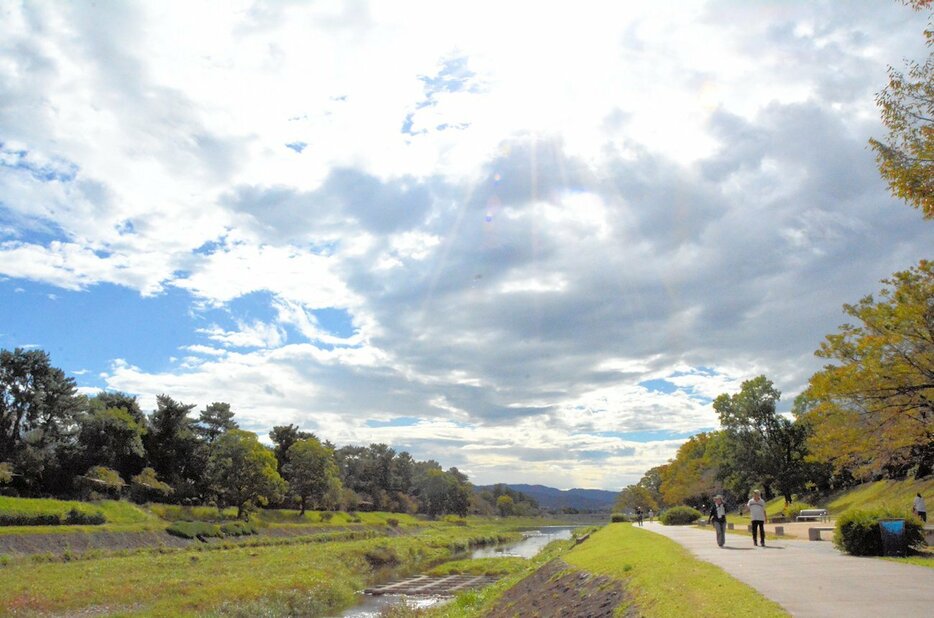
(534, 542)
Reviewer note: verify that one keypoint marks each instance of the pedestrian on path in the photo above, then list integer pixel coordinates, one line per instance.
(639, 515)
(756, 506)
(919, 508)
(718, 518)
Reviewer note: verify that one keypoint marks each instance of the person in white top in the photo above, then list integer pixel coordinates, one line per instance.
(756, 506)
(919, 508)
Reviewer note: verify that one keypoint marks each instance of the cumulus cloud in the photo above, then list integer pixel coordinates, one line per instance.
(550, 252)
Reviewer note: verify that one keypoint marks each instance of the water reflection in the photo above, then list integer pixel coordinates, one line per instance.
(370, 606)
(534, 542)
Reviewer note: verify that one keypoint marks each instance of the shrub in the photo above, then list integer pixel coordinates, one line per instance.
(194, 529)
(857, 531)
(793, 509)
(238, 528)
(76, 517)
(680, 516)
(326, 516)
(23, 519)
(392, 522)
(618, 518)
(381, 556)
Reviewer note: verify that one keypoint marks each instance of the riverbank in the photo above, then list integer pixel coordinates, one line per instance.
(292, 577)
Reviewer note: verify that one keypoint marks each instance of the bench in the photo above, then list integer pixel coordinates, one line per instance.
(813, 514)
(814, 533)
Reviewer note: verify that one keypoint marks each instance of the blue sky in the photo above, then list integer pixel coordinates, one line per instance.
(532, 240)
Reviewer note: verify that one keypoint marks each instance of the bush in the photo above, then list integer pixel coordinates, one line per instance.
(392, 522)
(194, 529)
(857, 531)
(326, 516)
(238, 528)
(793, 509)
(680, 516)
(76, 517)
(618, 518)
(23, 519)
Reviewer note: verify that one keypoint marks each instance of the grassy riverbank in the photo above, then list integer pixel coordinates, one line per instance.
(308, 577)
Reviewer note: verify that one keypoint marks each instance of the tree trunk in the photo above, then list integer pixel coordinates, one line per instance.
(302, 512)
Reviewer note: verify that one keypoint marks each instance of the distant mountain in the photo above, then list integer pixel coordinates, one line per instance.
(557, 499)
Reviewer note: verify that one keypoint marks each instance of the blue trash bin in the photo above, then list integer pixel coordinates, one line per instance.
(894, 539)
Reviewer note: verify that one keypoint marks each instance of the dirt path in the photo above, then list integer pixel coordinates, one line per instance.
(812, 578)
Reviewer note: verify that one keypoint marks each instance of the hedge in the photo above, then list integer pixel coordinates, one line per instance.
(72, 517)
(857, 531)
(680, 516)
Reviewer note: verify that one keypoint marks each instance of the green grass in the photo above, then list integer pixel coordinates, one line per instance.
(480, 566)
(896, 495)
(664, 578)
(116, 511)
(229, 581)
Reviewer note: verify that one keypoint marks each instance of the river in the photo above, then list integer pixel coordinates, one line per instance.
(534, 542)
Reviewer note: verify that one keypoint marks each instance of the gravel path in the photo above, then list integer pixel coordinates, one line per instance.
(812, 578)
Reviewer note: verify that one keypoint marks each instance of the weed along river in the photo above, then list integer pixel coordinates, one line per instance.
(423, 591)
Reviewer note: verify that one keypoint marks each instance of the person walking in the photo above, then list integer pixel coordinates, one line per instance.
(756, 506)
(639, 515)
(718, 518)
(919, 508)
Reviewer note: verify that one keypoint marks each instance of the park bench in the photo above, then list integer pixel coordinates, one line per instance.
(814, 533)
(813, 514)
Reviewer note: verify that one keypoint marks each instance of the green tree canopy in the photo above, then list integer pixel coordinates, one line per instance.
(873, 405)
(760, 445)
(635, 496)
(311, 472)
(112, 437)
(242, 472)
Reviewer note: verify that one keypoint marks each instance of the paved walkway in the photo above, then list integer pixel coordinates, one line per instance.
(811, 578)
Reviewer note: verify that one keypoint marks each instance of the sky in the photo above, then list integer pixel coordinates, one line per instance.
(533, 240)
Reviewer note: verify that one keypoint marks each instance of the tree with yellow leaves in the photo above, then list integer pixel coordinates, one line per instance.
(906, 157)
(872, 409)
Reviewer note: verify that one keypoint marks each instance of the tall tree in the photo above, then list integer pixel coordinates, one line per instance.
(242, 472)
(214, 420)
(106, 400)
(635, 496)
(173, 446)
(761, 445)
(111, 437)
(691, 477)
(311, 472)
(283, 437)
(873, 410)
(39, 408)
(906, 157)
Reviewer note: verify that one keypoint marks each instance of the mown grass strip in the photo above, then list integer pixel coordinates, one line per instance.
(114, 511)
(664, 579)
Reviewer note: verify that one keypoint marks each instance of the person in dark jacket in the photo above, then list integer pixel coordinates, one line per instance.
(718, 518)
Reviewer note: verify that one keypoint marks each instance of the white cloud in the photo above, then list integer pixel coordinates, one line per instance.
(515, 212)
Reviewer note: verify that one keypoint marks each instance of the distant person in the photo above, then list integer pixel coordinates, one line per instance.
(756, 506)
(639, 515)
(718, 518)
(919, 508)
(651, 515)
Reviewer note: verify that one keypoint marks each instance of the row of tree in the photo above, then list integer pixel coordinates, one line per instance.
(868, 414)
(55, 441)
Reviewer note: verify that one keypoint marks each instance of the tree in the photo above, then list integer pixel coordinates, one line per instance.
(311, 471)
(173, 446)
(906, 157)
(6, 472)
(761, 445)
(106, 400)
(873, 411)
(39, 408)
(635, 496)
(505, 506)
(691, 477)
(242, 472)
(111, 437)
(214, 420)
(283, 437)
